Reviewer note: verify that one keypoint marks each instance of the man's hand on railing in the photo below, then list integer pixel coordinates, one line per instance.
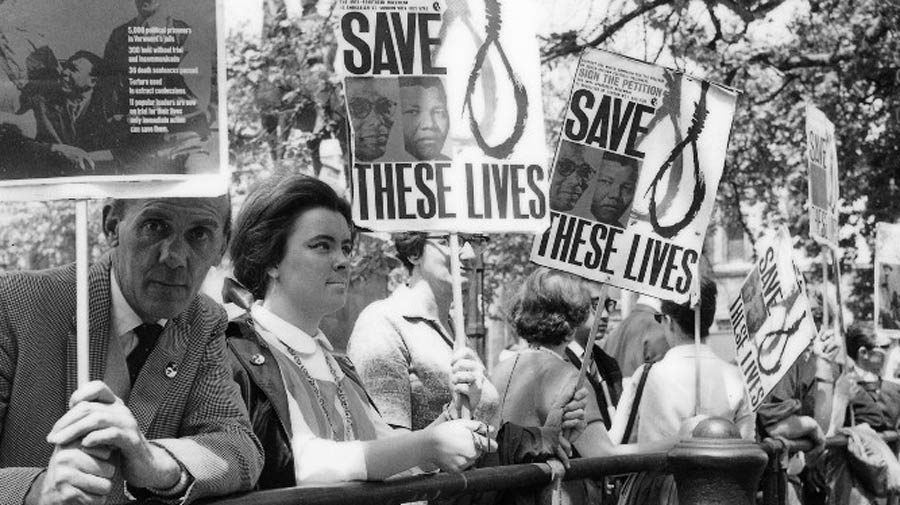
(801, 427)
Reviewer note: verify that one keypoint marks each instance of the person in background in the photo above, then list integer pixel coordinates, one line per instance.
(639, 338)
(403, 345)
(661, 402)
(291, 250)
(160, 419)
(605, 376)
(546, 311)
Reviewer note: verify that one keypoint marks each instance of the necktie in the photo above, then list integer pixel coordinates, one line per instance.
(147, 335)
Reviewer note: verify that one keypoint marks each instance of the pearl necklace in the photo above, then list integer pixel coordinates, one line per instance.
(348, 420)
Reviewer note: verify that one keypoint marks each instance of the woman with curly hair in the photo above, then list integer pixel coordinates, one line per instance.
(547, 310)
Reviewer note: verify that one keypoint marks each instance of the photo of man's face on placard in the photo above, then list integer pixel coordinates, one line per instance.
(613, 189)
(754, 305)
(889, 296)
(571, 176)
(372, 103)
(423, 112)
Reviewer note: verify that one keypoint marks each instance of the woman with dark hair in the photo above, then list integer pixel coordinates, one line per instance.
(661, 403)
(547, 310)
(291, 249)
(403, 345)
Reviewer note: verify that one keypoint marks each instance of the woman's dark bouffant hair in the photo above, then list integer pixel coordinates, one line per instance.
(265, 222)
(549, 307)
(409, 244)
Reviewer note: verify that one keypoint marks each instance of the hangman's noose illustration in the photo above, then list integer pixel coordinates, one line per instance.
(773, 338)
(505, 148)
(693, 133)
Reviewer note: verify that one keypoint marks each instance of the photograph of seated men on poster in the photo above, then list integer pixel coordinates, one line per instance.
(594, 184)
(123, 89)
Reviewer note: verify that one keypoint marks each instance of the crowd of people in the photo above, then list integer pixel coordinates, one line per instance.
(184, 404)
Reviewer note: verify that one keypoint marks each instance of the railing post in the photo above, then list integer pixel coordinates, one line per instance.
(715, 466)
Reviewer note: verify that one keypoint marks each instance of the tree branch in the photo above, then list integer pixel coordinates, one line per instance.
(559, 51)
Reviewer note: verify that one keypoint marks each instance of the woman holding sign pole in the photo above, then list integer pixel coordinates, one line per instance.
(290, 249)
(403, 345)
(548, 309)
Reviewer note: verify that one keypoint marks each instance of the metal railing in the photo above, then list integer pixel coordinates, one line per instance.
(625, 460)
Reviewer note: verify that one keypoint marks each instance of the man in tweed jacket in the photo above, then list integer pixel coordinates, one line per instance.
(180, 430)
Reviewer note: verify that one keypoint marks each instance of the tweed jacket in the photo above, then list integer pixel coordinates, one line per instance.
(197, 415)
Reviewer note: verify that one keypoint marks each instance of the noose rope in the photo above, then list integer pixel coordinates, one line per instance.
(492, 37)
(693, 133)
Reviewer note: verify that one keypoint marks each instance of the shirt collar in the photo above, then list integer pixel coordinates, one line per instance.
(575, 347)
(123, 318)
(279, 329)
(690, 350)
(409, 305)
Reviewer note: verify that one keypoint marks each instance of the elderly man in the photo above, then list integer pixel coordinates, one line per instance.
(161, 417)
(423, 105)
(571, 176)
(372, 111)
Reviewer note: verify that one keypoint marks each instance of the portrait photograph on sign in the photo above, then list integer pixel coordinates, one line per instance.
(887, 279)
(111, 92)
(635, 175)
(446, 115)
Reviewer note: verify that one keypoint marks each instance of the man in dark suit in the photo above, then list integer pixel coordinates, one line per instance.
(161, 417)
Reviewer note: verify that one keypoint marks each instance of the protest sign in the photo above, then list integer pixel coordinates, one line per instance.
(887, 279)
(111, 93)
(821, 161)
(771, 318)
(446, 117)
(635, 175)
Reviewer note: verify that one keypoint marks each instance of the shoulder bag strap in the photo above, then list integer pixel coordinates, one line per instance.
(632, 416)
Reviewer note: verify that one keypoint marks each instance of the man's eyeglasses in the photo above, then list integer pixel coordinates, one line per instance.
(361, 107)
(566, 167)
(659, 318)
(609, 305)
(478, 243)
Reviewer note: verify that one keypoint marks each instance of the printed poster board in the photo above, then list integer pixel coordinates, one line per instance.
(635, 175)
(446, 117)
(771, 317)
(111, 98)
(821, 161)
(887, 279)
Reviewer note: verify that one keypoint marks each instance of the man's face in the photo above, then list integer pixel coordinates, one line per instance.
(163, 250)
(425, 121)
(147, 8)
(372, 115)
(613, 192)
(76, 76)
(570, 178)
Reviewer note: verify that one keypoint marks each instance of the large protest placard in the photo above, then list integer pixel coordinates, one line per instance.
(821, 161)
(887, 279)
(446, 117)
(98, 96)
(770, 317)
(635, 175)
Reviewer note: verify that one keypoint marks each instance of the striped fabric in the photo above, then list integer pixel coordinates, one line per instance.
(197, 416)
